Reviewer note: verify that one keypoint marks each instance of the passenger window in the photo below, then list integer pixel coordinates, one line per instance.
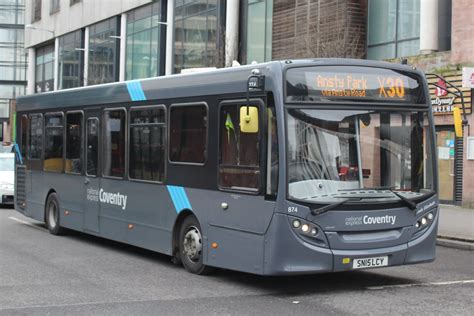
(147, 144)
(114, 143)
(239, 157)
(53, 143)
(74, 143)
(188, 133)
(92, 146)
(24, 131)
(35, 146)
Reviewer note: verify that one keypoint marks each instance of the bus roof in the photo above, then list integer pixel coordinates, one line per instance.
(219, 81)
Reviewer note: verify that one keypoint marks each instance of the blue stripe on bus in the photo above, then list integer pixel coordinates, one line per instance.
(179, 198)
(135, 91)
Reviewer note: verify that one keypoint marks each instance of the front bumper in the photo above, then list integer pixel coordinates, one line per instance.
(287, 253)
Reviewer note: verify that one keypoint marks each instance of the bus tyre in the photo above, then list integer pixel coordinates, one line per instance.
(191, 246)
(53, 215)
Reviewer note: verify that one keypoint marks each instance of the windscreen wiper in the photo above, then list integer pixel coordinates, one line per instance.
(328, 207)
(411, 205)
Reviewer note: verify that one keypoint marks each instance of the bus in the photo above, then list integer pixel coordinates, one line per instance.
(279, 168)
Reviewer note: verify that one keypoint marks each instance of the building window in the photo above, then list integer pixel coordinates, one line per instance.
(143, 57)
(259, 30)
(72, 2)
(36, 11)
(12, 54)
(198, 35)
(70, 60)
(54, 6)
(239, 157)
(44, 69)
(394, 28)
(188, 133)
(35, 138)
(12, 12)
(147, 144)
(103, 48)
(53, 142)
(74, 142)
(114, 143)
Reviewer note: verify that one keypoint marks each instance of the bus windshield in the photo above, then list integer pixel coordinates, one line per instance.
(334, 155)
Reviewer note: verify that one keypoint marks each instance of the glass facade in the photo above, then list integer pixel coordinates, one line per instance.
(103, 56)
(259, 30)
(12, 53)
(198, 34)
(143, 58)
(394, 28)
(71, 60)
(44, 69)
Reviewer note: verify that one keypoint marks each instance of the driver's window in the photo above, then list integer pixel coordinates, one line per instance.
(239, 155)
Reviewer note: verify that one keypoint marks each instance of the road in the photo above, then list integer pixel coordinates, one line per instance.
(77, 274)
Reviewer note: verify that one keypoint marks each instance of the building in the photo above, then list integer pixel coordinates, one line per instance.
(74, 43)
(12, 60)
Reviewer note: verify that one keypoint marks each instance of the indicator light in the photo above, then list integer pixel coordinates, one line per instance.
(214, 245)
(430, 216)
(346, 260)
(424, 221)
(296, 223)
(417, 224)
(305, 228)
(130, 226)
(314, 231)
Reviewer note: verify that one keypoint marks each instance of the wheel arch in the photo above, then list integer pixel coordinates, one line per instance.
(176, 227)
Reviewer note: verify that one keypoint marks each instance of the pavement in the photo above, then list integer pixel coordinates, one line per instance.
(456, 227)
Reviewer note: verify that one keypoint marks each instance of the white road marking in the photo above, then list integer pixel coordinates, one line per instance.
(25, 222)
(382, 287)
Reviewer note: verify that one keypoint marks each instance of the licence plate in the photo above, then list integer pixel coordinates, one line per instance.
(361, 263)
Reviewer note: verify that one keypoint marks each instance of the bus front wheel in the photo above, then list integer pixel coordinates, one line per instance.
(191, 246)
(53, 215)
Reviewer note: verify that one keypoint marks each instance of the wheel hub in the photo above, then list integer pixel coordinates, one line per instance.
(192, 243)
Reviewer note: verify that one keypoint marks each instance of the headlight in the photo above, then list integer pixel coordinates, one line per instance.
(308, 231)
(423, 222)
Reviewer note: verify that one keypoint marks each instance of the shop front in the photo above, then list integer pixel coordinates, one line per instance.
(452, 167)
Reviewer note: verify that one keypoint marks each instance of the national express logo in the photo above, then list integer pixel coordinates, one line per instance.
(112, 198)
(370, 220)
(442, 89)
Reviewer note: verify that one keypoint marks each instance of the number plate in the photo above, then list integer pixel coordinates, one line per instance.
(362, 263)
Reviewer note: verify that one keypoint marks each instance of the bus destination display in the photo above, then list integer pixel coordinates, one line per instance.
(359, 85)
(311, 84)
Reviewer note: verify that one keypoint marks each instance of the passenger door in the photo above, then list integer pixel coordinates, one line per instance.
(92, 171)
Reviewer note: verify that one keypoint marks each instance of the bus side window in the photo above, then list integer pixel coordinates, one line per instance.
(74, 142)
(239, 157)
(35, 137)
(24, 132)
(114, 143)
(54, 142)
(188, 133)
(147, 144)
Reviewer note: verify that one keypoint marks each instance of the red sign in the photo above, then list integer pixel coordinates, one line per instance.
(441, 91)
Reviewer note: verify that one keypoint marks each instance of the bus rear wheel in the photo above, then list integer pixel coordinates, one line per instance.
(191, 246)
(53, 215)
